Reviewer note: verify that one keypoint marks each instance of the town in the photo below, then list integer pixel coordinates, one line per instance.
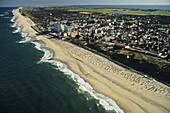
(143, 40)
(133, 32)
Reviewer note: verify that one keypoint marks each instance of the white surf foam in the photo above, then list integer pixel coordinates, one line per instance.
(106, 102)
(6, 13)
(19, 29)
(25, 38)
(14, 17)
(14, 25)
(6, 17)
(38, 45)
(24, 34)
(2, 15)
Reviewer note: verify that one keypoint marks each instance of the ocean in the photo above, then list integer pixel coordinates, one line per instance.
(30, 82)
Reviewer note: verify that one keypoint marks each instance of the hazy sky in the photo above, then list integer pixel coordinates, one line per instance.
(6, 3)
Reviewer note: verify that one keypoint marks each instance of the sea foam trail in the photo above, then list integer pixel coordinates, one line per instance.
(6, 13)
(6, 17)
(107, 103)
(14, 25)
(2, 15)
(14, 17)
(19, 29)
(23, 34)
(25, 38)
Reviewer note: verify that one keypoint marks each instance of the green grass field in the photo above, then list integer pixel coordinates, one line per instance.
(123, 11)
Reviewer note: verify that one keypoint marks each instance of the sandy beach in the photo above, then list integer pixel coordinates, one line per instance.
(132, 92)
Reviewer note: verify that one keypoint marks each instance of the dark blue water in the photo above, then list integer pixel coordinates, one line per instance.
(161, 7)
(28, 86)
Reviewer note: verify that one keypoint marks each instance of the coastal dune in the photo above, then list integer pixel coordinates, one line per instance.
(133, 92)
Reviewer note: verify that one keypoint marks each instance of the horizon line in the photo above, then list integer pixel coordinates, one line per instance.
(91, 5)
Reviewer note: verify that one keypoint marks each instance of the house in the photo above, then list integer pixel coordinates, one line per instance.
(73, 34)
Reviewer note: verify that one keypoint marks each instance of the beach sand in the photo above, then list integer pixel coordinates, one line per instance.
(131, 91)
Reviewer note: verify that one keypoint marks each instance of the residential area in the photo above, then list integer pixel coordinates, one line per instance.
(134, 33)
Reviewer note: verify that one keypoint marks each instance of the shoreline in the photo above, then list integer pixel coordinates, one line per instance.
(118, 83)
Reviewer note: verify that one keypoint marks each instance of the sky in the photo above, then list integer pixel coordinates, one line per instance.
(11, 3)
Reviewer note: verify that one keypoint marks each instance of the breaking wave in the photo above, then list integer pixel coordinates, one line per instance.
(14, 17)
(6, 13)
(2, 15)
(14, 25)
(19, 29)
(6, 17)
(25, 38)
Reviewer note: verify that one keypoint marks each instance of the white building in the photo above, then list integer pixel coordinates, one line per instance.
(67, 29)
(62, 27)
(59, 27)
(64, 34)
(73, 34)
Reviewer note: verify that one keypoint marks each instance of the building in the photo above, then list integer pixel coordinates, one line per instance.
(57, 27)
(67, 29)
(73, 34)
(62, 27)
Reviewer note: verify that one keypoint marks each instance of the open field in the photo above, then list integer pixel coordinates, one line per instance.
(123, 11)
(112, 11)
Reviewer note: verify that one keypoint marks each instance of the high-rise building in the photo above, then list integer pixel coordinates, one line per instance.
(62, 28)
(57, 27)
